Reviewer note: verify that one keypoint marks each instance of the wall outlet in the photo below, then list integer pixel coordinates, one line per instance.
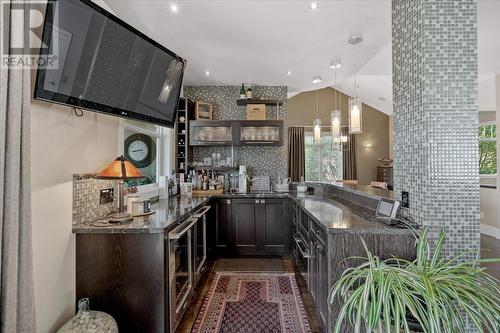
(405, 199)
(106, 196)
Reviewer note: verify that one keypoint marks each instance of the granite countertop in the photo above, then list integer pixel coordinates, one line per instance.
(333, 212)
(365, 190)
(337, 214)
(167, 213)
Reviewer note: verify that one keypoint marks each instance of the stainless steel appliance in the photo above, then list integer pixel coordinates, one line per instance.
(187, 256)
(242, 180)
(200, 243)
(181, 276)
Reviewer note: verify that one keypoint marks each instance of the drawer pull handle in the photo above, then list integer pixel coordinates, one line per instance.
(302, 252)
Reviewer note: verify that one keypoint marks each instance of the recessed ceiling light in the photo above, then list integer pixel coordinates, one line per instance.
(289, 73)
(313, 5)
(207, 73)
(355, 39)
(174, 8)
(383, 99)
(316, 79)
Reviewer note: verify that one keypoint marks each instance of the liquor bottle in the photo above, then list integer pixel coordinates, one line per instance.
(249, 93)
(227, 184)
(204, 184)
(242, 92)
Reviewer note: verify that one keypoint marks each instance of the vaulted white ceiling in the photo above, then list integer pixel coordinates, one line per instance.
(259, 41)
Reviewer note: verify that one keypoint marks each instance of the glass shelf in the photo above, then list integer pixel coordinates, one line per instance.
(216, 133)
(259, 134)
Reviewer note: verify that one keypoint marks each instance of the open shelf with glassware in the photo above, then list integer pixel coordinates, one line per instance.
(236, 132)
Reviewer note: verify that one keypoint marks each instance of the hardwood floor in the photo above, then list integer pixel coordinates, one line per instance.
(201, 291)
(204, 285)
(491, 244)
(316, 325)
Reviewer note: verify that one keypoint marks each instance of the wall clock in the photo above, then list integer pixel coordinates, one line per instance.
(140, 149)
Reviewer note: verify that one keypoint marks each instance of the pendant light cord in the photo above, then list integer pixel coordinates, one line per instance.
(338, 100)
(355, 70)
(335, 92)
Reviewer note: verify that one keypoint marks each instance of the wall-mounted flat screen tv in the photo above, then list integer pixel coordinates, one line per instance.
(95, 61)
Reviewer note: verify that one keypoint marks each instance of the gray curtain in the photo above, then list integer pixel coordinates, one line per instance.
(16, 255)
(296, 153)
(350, 169)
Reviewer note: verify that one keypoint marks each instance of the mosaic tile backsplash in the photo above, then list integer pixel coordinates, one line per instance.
(435, 82)
(86, 206)
(261, 160)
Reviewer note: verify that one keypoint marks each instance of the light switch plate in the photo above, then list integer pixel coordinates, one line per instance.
(405, 199)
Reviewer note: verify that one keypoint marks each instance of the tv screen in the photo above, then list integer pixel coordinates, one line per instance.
(96, 61)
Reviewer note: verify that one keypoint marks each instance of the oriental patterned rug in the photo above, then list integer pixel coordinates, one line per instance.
(252, 303)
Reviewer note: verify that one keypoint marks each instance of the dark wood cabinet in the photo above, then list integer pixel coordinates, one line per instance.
(276, 237)
(313, 270)
(323, 287)
(212, 227)
(125, 275)
(318, 269)
(244, 226)
(222, 239)
(252, 227)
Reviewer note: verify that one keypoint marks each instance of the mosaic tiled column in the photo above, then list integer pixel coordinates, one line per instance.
(435, 82)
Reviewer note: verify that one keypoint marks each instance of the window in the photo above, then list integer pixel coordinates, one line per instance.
(147, 147)
(488, 148)
(323, 160)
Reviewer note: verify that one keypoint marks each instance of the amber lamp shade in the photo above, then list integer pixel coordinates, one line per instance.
(122, 170)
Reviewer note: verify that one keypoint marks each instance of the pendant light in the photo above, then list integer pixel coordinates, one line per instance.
(335, 118)
(317, 121)
(355, 106)
(335, 115)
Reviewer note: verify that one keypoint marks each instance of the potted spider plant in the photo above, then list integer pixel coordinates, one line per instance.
(440, 295)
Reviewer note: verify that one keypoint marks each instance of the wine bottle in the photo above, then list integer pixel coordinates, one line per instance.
(242, 92)
(249, 93)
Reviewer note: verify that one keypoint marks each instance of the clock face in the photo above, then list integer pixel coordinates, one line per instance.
(138, 150)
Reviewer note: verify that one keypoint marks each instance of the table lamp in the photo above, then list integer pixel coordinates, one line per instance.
(122, 170)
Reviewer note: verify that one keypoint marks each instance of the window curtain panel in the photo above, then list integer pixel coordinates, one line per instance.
(350, 169)
(296, 153)
(17, 312)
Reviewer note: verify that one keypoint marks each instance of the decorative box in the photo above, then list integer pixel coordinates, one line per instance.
(256, 112)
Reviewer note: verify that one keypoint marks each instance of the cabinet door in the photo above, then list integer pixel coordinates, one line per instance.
(223, 225)
(275, 238)
(243, 226)
(313, 269)
(211, 227)
(322, 290)
(210, 133)
(268, 132)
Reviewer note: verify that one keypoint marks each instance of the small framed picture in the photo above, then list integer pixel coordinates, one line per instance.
(203, 111)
